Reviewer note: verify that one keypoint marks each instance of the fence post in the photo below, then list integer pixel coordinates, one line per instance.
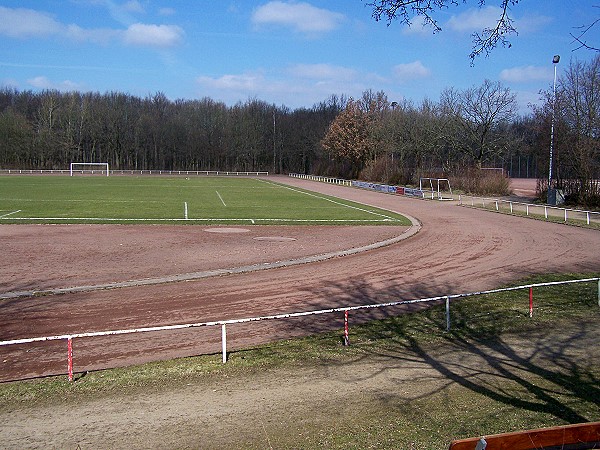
(224, 342)
(346, 338)
(531, 302)
(70, 358)
(598, 291)
(447, 313)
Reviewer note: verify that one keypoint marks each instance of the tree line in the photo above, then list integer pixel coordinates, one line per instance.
(50, 129)
(461, 133)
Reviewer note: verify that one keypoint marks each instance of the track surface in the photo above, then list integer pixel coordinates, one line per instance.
(457, 250)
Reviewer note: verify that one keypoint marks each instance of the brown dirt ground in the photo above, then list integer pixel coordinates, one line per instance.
(457, 250)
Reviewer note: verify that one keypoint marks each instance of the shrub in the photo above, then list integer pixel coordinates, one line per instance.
(481, 182)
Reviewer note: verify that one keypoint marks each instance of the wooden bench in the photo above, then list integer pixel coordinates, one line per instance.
(568, 437)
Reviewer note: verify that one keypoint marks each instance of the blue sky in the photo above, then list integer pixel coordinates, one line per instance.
(292, 53)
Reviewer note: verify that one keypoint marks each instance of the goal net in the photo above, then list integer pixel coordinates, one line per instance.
(89, 168)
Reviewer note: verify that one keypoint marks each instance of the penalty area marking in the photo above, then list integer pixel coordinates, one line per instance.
(386, 218)
(221, 198)
(10, 213)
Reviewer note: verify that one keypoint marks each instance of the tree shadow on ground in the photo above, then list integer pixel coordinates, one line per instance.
(542, 371)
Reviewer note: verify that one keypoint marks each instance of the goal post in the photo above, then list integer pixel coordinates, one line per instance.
(438, 185)
(89, 168)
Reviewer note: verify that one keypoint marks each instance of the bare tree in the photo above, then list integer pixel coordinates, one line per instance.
(477, 113)
(581, 36)
(578, 104)
(484, 41)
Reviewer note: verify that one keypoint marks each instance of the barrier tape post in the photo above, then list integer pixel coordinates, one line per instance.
(531, 302)
(346, 338)
(224, 342)
(447, 313)
(70, 358)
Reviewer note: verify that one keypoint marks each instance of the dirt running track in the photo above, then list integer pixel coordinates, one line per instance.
(458, 249)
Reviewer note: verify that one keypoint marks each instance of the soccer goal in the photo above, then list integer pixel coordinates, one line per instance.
(442, 185)
(89, 168)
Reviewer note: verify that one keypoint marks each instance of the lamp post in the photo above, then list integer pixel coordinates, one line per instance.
(555, 61)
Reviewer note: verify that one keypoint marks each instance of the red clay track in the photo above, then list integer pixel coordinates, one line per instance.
(457, 250)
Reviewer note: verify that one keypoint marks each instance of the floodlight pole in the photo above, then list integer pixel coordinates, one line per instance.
(555, 61)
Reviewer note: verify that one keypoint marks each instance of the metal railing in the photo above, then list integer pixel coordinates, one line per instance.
(345, 309)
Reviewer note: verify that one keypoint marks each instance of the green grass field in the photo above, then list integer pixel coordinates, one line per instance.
(193, 200)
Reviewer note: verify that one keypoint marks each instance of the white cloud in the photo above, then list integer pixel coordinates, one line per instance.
(166, 12)
(98, 36)
(25, 23)
(133, 6)
(301, 17)
(411, 71)
(42, 82)
(28, 23)
(153, 35)
(475, 19)
(525, 74)
(295, 86)
(322, 72)
(247, 82)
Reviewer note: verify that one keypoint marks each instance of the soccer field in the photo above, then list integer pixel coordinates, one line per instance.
(193, 200)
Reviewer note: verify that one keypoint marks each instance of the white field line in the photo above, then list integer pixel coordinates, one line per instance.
(81, 200)
(221, 198)
(10, 213)
(330, 200)
(245, 219)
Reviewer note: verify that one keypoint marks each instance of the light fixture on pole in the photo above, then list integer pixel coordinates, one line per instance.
(555, 61)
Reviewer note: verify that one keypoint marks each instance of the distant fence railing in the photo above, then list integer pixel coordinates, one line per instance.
(131, 172)
(531, 209)
(345, 309)
(501, 205)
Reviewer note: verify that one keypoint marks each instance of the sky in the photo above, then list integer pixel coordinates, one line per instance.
(284, 52)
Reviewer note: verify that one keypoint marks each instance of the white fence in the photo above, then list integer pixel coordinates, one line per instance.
(130, 172)
(530, 209)
(223, 323)
(501, 205)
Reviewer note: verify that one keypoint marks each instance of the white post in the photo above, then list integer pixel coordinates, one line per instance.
(511, 208)
(224, 342)
(185, 210)
(447, 313)
(546, 212)
(598, 292)
(565, 214)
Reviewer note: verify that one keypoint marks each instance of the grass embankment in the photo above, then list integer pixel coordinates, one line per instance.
(496, 370)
